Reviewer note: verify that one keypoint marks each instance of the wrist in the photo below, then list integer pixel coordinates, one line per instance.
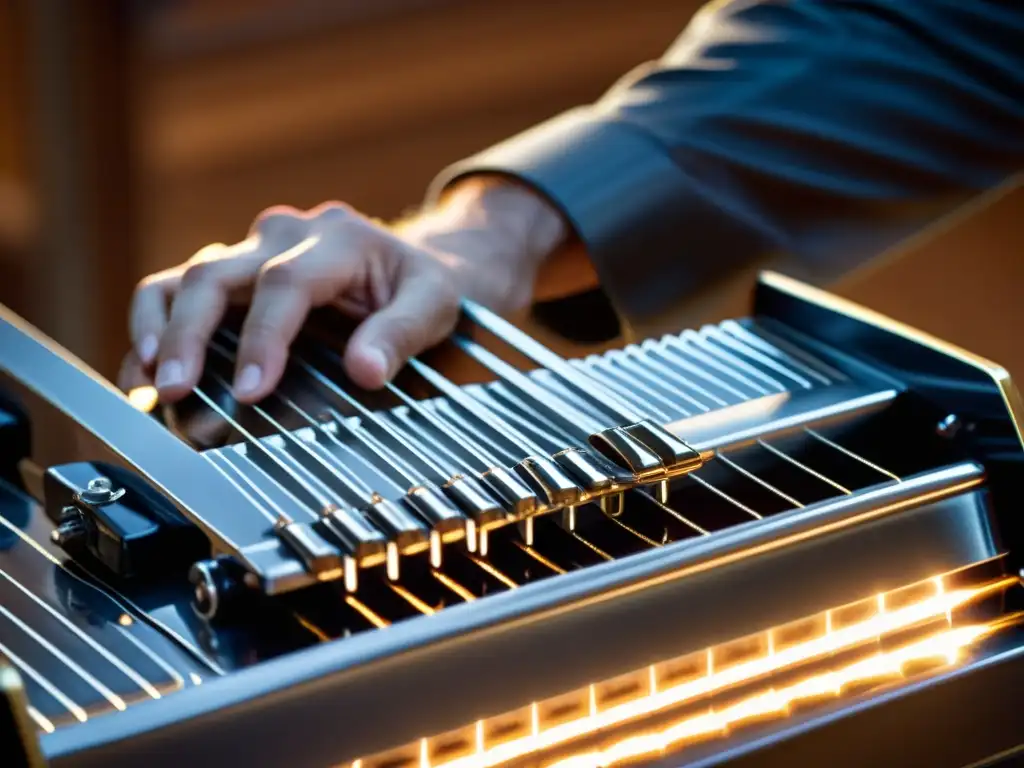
(546, 246)
(506, 241)
(511, 210)
(507, 218)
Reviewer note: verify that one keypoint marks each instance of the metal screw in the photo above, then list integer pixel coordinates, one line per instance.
(71, 528)
(948, 427)
(205, 597)
(101, 490)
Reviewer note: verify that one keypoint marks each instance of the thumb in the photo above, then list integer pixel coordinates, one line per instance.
(422, 312)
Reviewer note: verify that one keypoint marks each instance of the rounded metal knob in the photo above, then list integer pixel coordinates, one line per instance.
(71, 529)
(101, 490)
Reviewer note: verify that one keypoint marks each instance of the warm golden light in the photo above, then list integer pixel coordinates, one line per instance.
(144, 399)
(945, 646)
(717, 675)
(435, 549)
(39, 719)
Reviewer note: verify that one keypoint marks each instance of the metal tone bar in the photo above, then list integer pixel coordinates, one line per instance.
(651, 360)
(690, 354)
(464, 489)
(592, 362)
(597, 473)
(543, 438)
(734, 346)
(637, 367)
(734, 362)
(338, 475)
(321, 496)
(615, 378)
(474, 430)
(647, 451)
(385, 462)
(379, 478)
(235, 465)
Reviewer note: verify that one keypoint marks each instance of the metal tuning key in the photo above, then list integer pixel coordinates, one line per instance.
(572, 421)
(676, 455)
(649, 451)
(320, 556)
(322, 559)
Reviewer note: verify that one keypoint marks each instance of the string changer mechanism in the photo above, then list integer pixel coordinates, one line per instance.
(361, 485)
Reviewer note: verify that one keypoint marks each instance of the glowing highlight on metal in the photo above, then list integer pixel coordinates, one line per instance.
(143, 399)
(947, 643)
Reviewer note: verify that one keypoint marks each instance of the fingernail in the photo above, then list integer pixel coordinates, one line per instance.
(171, 373)
(248, 380)
(148, 349)
(378, 361)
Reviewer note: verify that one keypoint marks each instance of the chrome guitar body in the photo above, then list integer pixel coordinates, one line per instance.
(786, 539)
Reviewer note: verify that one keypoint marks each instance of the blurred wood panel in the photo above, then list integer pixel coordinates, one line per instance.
(17, 209)
(176, 28)
(12, 94)
(80, 77)
(369, 112)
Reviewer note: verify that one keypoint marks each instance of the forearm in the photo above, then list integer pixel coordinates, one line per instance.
(823, 129)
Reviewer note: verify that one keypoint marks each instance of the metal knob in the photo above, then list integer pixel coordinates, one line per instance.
(101, 490)
(71, 529)
(949, 426)
(205, 595)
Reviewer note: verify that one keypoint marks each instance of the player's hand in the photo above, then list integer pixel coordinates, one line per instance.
(405, 285)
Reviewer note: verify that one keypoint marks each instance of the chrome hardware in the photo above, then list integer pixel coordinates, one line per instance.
(101, 491)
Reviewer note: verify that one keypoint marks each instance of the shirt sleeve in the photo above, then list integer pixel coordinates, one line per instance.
(825, 130)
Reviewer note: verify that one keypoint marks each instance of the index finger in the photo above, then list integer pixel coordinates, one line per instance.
(288, 287)
(148, 313)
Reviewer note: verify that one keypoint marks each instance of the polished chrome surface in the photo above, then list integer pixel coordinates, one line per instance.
(80, 652)
(803, 464)
(544, 431)
(543, 635)
(417, 541)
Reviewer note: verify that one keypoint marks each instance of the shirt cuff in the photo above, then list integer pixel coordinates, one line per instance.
(653, 238)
